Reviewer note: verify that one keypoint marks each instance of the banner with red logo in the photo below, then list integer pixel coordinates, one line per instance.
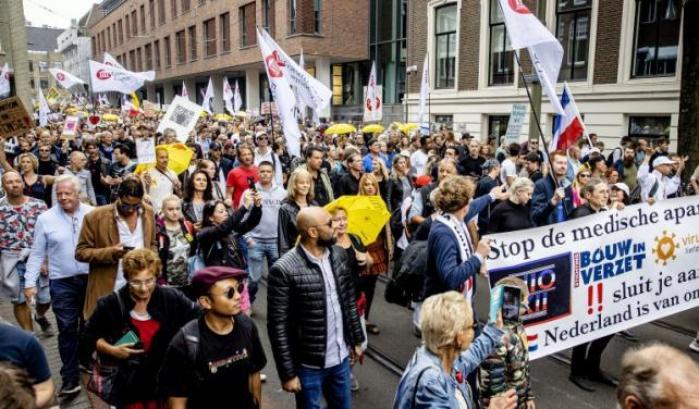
(65, 78)
(600, 274)
(373, 107)
(105, 77)
(109, 60)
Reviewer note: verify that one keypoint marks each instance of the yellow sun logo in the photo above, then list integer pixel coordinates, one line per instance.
(665, 247)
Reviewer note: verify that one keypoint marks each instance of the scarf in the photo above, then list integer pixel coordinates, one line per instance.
(465, 248)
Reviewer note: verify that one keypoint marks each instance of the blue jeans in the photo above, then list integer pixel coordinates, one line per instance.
(42, 287)
(333, 383)
(68, 295)
(259, 253)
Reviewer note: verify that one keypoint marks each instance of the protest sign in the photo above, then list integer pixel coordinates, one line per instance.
(70, 127)
(145, 150)
(14, 119)
(600, 274)
(182, 115)
(514, 125)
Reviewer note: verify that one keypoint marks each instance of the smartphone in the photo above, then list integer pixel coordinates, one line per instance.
(495, 302)
(511, 298)
(128, 338)
(251, 183)
(128, 248)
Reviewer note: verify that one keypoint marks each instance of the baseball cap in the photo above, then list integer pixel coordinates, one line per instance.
(622, 186)
(208, 276)
(663, 160)
(423, 180)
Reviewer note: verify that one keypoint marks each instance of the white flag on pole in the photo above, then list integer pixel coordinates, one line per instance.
(237, 99)
(208, 96)
(184, 90)
(313, 93)
(424, 95)
(44, 109)
(109, 60)
(279, 73)
(105, 77)
(5, 82)
(228, 96)
(526, 31)
(65, 78)
(373, 109)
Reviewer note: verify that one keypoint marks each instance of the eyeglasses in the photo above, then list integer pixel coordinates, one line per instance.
(585, 175)
(329, 224)
(125, 207)
(230, 293)
(262, 138)
(142, 284)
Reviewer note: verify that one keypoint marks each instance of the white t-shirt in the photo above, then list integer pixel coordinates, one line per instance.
(508, 168)
(418, 160)
(161, 188)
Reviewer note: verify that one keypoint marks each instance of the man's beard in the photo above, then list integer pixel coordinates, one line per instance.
(628, 162)
(327, 242)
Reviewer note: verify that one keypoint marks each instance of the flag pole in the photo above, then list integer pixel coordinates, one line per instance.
(429, 98)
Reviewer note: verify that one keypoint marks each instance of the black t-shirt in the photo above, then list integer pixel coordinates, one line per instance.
(224, 362)
(472, 167)
(23, 350)
(508, 216)
(47, 167)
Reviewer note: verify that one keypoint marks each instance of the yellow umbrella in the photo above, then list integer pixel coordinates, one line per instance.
(241, 114)
(373, 128)
(366, 215)
(180, 156)
(406, 128)
(110, 117)
(223, 117)
(340, 129)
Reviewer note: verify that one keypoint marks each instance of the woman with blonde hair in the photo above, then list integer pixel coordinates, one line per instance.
(299, 195)
(515, 213)
(35, 185)
(581, 178)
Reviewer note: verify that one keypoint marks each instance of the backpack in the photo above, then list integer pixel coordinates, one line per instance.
(610, 158)
(191, 343)
(406, 284)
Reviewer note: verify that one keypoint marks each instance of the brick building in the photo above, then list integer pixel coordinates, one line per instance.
(190, 40)
(622, 62)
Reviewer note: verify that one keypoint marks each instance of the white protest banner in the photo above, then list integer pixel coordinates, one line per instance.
(145, 150)
(600, 274)
(182, 115)
(70, 127)
(105, 77)
(514, 125)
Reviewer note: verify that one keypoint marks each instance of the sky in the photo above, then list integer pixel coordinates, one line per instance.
(55, 13)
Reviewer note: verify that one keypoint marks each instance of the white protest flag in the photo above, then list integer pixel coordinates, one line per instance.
(44, 109)
(279, 73)
(5, 82)
(300, 104)
(109, 60)
(237, 99)
(65, 78)
(228, 96)
(313, 93)
(184, 94)
(373, 110)
(105, 77)
(208, 96)
(526, 31)
(102, 98)
(424, 95)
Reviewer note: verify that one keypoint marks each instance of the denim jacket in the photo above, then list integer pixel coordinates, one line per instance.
(436, 389)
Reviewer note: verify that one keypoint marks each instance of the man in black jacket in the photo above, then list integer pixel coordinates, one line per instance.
(312, 316)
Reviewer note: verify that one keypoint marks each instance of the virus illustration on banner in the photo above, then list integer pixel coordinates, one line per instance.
(665, 248)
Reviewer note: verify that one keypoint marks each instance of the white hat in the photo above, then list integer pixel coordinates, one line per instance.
(623, 187)
(663, 160)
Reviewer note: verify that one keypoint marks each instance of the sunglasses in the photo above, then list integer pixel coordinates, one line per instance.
(125, 207)
(230, 293)
(585, 175)
(262, 138)
(329, 224)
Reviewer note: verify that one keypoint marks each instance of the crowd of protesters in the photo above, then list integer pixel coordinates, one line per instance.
(152, 276)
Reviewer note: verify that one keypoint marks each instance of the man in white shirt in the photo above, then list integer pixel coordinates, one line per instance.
(658, 184)
(508, 169)
(418, 159)
(160, 182)
(264, 153)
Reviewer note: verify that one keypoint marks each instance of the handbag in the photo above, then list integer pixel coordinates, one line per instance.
(9, 277)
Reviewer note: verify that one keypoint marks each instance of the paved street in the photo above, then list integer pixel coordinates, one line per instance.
(396, 344)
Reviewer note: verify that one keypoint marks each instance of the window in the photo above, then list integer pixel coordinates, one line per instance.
(292, 16)
(502, 64)
(31, 66)
(497, 126)
(31, 83)
(268, 16)
(337, 84)
(114, 35)
(168, 53)
(132, 60)
(649, 126)
(109, 38)
(444, 120)
(139, 59)
(149, 57)
(143, 19)
(445, 37)
(120, 30)
(656, 38)
(225, 24)
(173, 8)
(134, 24)
(156, 54)
(316, 15)
(185, 6)
(44, 84)
(573, 31)
(246, 16)
(151, 11)
(161, 12)
(43, 66)
(128, 27)
(58, 64)
(210, 37)
(192, 42)
(181, 47)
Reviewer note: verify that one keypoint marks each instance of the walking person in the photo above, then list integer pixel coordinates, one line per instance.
(299, 196)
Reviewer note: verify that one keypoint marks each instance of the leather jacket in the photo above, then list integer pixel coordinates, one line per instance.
(286, 228)
(296, 309)
(219, 244)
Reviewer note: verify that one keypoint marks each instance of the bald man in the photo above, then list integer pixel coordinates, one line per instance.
(312, 317)
(658, 376)
(77, 167)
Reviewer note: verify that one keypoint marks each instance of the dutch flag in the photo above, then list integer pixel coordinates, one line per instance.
(569, 127)
(532, 342)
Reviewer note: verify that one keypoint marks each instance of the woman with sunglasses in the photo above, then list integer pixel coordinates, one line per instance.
(132, 328)
(581, 178)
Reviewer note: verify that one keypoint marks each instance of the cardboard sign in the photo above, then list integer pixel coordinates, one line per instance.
(182, 115)
(265, 108)
(145, 150)
(14, 118)
(70, 127)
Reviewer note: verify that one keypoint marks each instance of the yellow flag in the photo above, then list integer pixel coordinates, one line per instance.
(134, 102)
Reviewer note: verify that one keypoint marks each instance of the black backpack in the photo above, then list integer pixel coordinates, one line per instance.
(408, 278)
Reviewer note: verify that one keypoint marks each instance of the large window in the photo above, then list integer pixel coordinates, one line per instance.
(173, 8)
(149, 56)
(161, 12)
(181, 47)
(143, 19)
(502, 58)
(445, 37)
(225, 24)
(192, 31)
(292, 16)
(151, 11)
(134, 24)
(185, 6)
(210, 37)
(120, 28)
(156, 54)
(268, 16)
(497, 126)
(649, 126)
(387, 49)
(139, 59)
(573, 31)
(168, 52)
(246, 15)
(337, 84)
(656, 39)
(128, 27)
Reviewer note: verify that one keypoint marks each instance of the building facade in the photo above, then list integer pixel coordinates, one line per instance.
(42, 50)
(74, 44)
(188, 41)
(622, 61)
(13, 48)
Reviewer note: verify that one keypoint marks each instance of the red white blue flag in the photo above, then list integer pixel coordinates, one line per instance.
(567, 128)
